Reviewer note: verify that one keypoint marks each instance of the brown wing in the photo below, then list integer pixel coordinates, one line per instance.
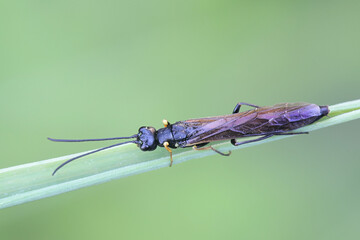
(217, 128)
(259, 121)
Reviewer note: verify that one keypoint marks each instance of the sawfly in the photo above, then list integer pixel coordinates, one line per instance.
(261, 122)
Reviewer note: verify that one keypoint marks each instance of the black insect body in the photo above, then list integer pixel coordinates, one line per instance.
(264, 122)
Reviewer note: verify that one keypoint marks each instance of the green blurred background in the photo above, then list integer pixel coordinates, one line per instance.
(88, 69)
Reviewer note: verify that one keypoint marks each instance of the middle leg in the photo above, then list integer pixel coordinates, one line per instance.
(210, 147)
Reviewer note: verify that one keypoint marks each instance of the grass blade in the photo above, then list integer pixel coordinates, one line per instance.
(28, 182)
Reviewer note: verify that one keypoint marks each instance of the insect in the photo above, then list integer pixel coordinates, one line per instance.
(263, 122)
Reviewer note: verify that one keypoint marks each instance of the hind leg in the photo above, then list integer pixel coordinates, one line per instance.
(233, 141)
(237, 107)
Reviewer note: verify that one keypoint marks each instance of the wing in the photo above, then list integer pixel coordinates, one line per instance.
(279, 118)
(259, 121)
(217, 128)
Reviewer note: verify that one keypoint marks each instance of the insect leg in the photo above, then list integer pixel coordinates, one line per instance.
(201, 144)
(291, 133)
(210, 147)
(237, 107)
(166, 145)
(233, 141)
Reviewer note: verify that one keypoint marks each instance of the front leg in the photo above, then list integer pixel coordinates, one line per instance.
(237, 107)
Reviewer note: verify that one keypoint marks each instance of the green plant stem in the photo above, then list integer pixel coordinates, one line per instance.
(28, 182)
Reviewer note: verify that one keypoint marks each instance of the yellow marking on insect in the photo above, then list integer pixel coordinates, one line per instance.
(166, 145)
(165, 122)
